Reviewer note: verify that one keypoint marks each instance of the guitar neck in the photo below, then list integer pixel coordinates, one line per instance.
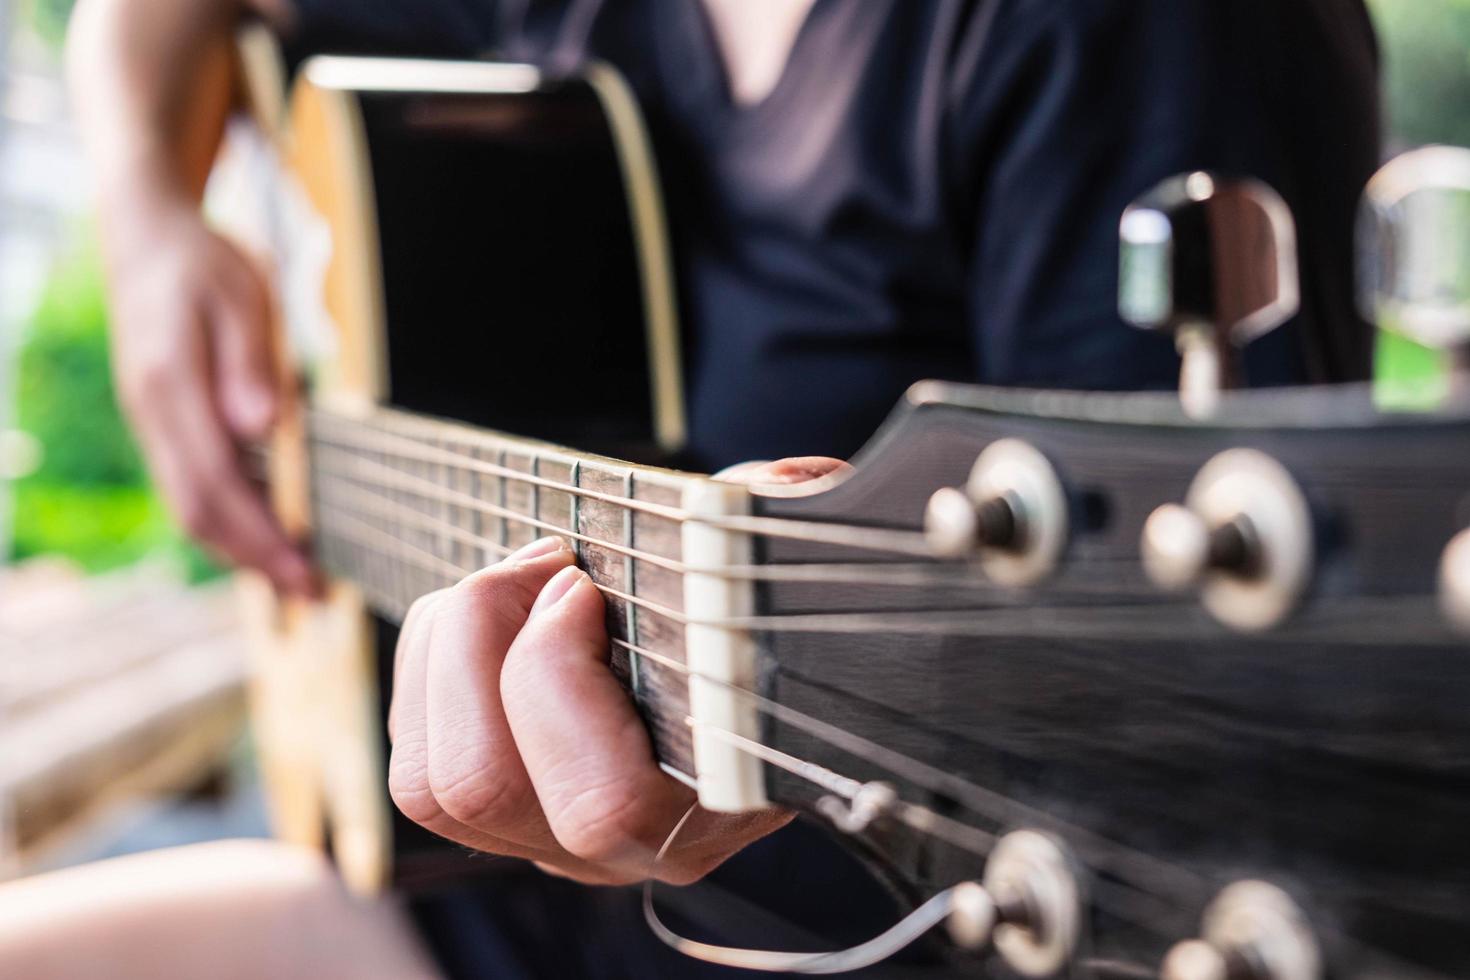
(404, 505)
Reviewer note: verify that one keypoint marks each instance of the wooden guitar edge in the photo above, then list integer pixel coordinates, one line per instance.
(314, 692)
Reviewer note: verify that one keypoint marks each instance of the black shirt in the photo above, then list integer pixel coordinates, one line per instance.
(933, 187)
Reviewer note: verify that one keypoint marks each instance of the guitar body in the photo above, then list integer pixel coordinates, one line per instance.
(467, 240)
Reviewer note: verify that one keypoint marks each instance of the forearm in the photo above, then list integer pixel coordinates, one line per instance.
(153, 82)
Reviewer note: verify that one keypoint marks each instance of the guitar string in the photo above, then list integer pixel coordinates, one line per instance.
(1367, 624)
(1001, 809)
(345, 494)
(793, 716)
(1367, 615)
(1124, 899)
(368, 471)
(1099, 853)
(1140, 872)
(867, 538)
(858, 536)
(1138, 883)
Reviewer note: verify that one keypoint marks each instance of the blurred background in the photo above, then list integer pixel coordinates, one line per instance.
(123, 730)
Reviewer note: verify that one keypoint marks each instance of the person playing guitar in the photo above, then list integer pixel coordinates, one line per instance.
(862, 193)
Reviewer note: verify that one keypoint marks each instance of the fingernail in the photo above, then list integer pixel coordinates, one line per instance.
(561, 583)
(252, 408)
(299, 576)
(539, 549)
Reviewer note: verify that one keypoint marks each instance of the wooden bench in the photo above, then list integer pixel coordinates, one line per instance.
(112, 688)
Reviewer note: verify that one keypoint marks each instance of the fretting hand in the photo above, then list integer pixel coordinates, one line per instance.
(511, 734)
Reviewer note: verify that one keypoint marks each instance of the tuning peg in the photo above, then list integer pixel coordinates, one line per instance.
(1212, 262)
(1243, 537)
(1414, 249)
(1180, 549)
(1251, 931)
(1454, 582)
(1011, 515)
(957, 526)
(1029, 905)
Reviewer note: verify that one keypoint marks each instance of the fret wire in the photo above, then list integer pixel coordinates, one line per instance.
(377, 561)
(897, 621)
(912, 769)
(385, 574)
(477, 516)
(402, 582)
(536, 493)
(425, 560)
(879, 539)
(402, 554)
(373, 562)
(630, 582)
(460, 479)
(1144, 867)
(377, 504)
(852, 573)
(903, 621)
(816, 532)
(652, 607)
(430, 489)
(441, 567)
(443, 542)
(418, 469)
(574, 516)
(412, 450)
(504, 501)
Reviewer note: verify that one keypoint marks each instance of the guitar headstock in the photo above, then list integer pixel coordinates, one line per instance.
(1193, 653)
(1143, 685)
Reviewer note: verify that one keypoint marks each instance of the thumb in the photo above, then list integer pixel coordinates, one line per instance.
(244, 366)
(783, 472)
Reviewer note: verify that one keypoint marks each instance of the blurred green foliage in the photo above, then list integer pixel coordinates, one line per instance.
(1426, 53)
(48, 17)
(65, 385)
(1426, 83)
(89, 500)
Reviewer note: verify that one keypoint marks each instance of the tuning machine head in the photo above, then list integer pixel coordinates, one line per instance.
(1029, 906)
(1414, 247)
(1212, 262)
(1454, 582)
(1011, 515)
(1251, 931)
(1243, 537)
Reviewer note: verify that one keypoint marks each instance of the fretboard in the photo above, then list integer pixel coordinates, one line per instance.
(404, 505)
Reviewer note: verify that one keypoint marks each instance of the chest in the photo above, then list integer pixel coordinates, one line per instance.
(755, 38)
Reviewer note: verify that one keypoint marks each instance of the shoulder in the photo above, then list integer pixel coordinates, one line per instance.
(1159, 15)
(1131, 53)
(1166, 29)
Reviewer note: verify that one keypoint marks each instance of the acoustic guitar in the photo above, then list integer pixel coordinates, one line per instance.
(1103, 686)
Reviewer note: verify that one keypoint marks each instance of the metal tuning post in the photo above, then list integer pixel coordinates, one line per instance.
(1251, 931)
(1213, 262)
(1414, 250)
(1243, 538)
(1028, 908)
(1413, 253)
(1011, 515)
(1454, 582)
(1033, 881)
